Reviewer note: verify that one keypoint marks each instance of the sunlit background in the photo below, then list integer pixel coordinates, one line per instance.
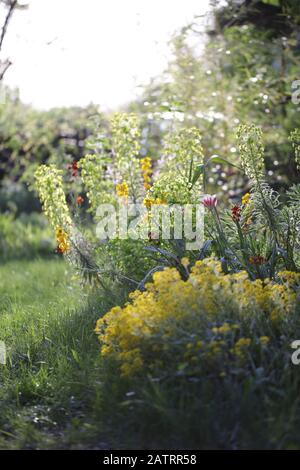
(67, 52)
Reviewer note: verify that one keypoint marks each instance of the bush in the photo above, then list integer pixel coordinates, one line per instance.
(25, 237)
(211, 324)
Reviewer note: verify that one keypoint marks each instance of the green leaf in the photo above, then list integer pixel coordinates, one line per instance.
(198, 172)
(75, 356)
(272, 2)
(216, 159)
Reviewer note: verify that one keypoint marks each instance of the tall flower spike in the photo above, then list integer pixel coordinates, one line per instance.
(49, 184)
(182, 155)
(251, 150)
(295, 139)
(126, 136)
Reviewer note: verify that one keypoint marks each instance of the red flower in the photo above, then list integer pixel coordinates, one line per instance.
(210, 201)
(236, 213)
(257, 260)
(74, 168)
(79, 200)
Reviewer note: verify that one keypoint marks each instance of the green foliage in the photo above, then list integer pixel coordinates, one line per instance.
(243, 74)
(174, 316)
(97, 185)
(49, 184)
(251, 151)
(295, 139)
(126, 137)
(29, 137)
(177, 179)
(58, 393)
(26, 237)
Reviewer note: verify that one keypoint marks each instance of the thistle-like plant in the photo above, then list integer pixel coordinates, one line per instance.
(266, 200)
(251, 150)
(182, 156)
(295, 139)
(125, 140)
(49, 185)
(96, 178)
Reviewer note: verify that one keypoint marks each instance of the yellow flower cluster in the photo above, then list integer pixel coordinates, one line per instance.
(170, 320)
(62, 239)
(122, 190)
(148, 202)
(264, 340)
(246, 199)
(290, 278)
(225, 328)
(146, 172)
(241, 347)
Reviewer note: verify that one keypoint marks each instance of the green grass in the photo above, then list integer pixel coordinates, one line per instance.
(56, 392)
(47, 323)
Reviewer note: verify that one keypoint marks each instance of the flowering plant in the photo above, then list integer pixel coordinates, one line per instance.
(264, 235)
(210, 323)
(259, 234)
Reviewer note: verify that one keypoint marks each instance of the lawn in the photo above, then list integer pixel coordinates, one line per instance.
(47, 323)
(57, 392)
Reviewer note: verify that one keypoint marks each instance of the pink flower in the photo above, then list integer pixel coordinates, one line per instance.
(210, 201)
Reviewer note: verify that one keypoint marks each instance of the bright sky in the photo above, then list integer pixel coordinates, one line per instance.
(72, 52)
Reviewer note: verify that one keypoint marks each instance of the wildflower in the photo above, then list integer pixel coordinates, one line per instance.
(295, 139)
(210, 201)
(257, 260)
(97, 181)
(63, 248)
(171, 317)
(243, 342)
(159, 201)
(63, 244)
(236, 213)
(292, 279)
(241, 347)
(246, 199)
(148, 202)
(122, 190)
(59, 232)
(251, 150)
(79, 200)
(49, 183)
(264, 340)
(185, 262)
(74, 168)
(146, 172)
(226, 328)
(247, 223)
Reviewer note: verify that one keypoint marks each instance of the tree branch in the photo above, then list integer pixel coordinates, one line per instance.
(11, 8)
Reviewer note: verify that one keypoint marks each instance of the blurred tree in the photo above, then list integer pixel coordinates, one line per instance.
(241, 70)
(29, 137)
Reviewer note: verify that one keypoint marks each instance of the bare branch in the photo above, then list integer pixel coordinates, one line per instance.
(3, 67)
(10, 11)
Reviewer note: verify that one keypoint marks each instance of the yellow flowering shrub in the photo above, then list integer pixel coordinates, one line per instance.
(190, 325)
